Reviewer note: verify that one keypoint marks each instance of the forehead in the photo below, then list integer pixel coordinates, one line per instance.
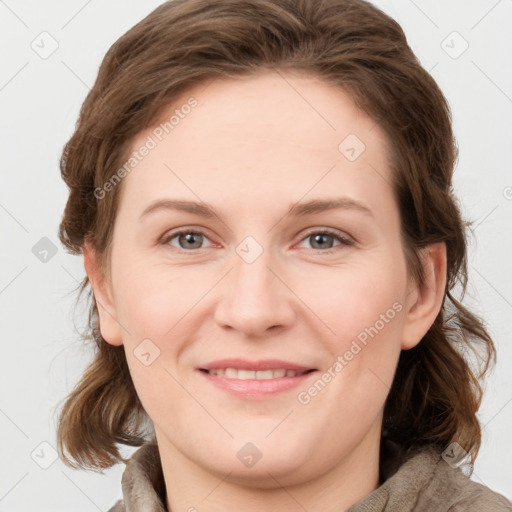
(269, 134)
(294, 106)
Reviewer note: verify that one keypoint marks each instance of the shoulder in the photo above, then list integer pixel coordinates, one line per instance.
(422, 481)
(454, 491)
(470, 495)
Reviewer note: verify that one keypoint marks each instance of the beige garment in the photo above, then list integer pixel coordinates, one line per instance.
(424, 482)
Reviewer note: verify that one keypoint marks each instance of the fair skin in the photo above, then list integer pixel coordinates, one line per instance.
(251, 148)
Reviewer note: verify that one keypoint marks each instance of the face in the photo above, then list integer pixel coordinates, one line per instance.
(227, 254)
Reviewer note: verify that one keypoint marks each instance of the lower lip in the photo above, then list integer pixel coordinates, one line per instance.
(256, 388)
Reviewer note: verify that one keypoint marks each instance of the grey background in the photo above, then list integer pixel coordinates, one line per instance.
(40, 97)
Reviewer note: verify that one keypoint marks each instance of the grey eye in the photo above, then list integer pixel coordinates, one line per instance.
(187, 240)
(319, 240)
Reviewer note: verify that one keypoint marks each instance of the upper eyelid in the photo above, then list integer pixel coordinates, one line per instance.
(328, 231)
(172, 234)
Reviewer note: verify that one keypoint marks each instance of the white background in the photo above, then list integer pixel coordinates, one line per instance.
(42, 356)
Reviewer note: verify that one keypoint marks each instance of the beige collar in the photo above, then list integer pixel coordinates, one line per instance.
(424, 482)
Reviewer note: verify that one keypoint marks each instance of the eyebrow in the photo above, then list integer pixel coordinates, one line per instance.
(299, 209)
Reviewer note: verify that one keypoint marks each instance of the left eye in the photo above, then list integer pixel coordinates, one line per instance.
(319, 239)
(194, 239)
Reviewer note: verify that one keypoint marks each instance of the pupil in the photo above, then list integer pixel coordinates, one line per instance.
(320, 238)
(190, 237)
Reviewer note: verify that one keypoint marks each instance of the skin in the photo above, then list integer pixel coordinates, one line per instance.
(251, 148)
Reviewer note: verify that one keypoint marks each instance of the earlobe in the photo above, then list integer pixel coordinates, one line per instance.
(424, 301)
(109, 326)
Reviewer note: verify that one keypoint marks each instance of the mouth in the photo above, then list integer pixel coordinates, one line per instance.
(255, 380)
(241, 374)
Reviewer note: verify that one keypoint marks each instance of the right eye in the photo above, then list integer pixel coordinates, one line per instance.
(187, 239)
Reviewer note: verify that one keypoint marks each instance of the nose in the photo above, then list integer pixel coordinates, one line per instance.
(255, 298)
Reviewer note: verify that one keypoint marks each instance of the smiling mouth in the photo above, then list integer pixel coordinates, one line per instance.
(239, 374)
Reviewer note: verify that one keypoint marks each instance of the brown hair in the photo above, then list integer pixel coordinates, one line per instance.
(352, 45)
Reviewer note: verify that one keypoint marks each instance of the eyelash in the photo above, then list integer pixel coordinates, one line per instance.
(344, 241)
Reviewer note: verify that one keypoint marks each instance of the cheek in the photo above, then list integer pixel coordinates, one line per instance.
(154, 311)
(364, 312)
(356, 380)
(361, 302)
(154, 300)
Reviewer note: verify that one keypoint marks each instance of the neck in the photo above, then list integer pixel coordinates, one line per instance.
(192, 488)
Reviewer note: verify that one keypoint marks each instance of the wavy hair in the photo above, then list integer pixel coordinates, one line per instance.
(347, 43)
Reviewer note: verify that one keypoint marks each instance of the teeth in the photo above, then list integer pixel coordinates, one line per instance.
(233, 373)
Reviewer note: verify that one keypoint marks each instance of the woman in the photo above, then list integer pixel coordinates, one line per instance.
(221, 146)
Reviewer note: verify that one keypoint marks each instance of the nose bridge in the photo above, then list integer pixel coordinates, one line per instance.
(255, 299)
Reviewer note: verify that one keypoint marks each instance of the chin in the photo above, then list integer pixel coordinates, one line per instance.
(263, 463)
(277, 470)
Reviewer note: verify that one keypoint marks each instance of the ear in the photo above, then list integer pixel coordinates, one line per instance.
(424, 302)
(109, 327)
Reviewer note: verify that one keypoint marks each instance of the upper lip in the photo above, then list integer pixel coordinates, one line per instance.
(267, 364)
